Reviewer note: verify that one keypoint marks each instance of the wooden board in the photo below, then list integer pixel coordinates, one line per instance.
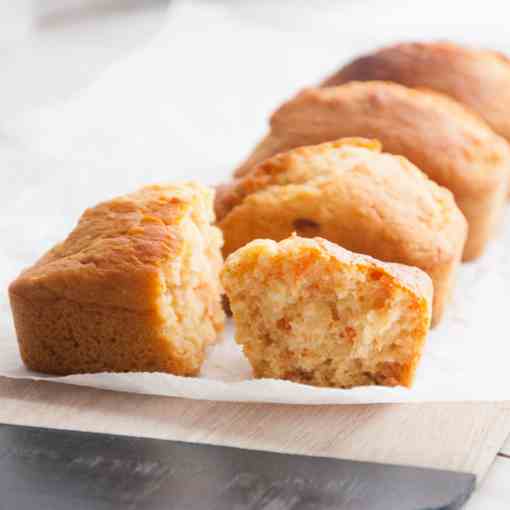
(458, 436)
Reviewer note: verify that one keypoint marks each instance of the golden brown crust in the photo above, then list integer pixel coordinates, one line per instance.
(304, 256)
(477, 78)
(353, 195)
(229, 195)
(455, 148)
(412, 279)
(119, 243)
(97, 301)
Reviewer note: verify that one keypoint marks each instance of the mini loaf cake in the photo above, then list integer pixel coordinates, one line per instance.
(311, 312)
(135, 287)
(453, 147)
(351, 194)
(478, 78)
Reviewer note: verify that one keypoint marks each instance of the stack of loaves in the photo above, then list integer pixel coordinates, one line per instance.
(344, 229)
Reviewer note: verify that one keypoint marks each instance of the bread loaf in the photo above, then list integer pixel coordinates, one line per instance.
(135, 287)
(350, 193)
(453, 147)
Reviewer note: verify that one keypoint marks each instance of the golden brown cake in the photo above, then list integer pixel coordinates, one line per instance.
(478, 78)
(353, 195)
(311, 312)
(455, 148)
(134, 287)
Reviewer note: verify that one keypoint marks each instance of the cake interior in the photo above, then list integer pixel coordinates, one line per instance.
(315, 321)
(190, 302)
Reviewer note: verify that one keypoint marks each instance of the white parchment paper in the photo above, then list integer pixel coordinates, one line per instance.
(191, 105)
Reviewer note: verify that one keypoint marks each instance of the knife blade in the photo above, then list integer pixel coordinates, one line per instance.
(69, 470)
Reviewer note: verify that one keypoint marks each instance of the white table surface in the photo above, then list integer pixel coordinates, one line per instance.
(61, 56)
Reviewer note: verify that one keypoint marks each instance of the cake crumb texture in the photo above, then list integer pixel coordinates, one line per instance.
(311, 312)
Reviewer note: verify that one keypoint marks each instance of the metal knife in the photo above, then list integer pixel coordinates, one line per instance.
(47, 469)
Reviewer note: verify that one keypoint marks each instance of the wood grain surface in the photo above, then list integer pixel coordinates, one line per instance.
(457, 436)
